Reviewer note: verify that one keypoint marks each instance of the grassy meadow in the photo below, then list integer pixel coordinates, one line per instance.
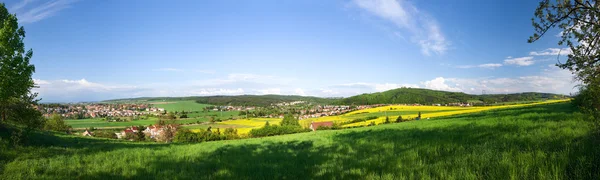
(195, 114)
(548, 141)
(189, 105)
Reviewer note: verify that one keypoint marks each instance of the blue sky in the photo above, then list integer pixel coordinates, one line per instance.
(94, 50)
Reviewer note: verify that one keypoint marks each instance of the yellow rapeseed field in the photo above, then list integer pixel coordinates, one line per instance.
(457, 110)
(426, 112)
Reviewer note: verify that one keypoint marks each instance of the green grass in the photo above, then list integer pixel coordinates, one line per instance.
(100, 123)
(193, 118)
(539, 142)
(181, 106)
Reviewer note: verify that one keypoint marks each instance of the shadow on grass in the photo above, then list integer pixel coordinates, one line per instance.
(461, 151)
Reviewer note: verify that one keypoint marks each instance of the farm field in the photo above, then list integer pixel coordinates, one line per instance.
(100, 123)
(179, 105)
(411, 112)
(546, 141)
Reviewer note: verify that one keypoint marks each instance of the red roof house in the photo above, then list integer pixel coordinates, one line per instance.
(315, 125)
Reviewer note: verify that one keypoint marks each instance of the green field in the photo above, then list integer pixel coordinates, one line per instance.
(100, 123)
(538, 142)
(180, 105)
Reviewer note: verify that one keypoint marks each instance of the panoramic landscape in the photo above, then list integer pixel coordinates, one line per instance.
(342, 89)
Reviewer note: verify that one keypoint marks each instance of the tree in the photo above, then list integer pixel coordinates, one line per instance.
(579, 22)
(139, 135)
(289, 120)
(16, 99)
(170, 116)
(399, 119)
(56, 123)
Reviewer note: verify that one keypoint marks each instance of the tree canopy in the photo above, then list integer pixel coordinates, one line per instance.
(579, 23)
(16, 99)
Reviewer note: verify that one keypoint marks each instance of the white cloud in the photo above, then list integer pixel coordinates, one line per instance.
(215, 91)
(491, 65)
(551, 52)
(521, 61)
(270, 91)
(439, 83)
(29, 11)
(424, 29)
(487, 66)
(551, 79)
(40, 82)
(300, 92)
(78, 90)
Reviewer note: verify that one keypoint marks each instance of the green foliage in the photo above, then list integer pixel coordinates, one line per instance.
(588, 100)
(541, 142)
(360, 120)
(16, 99)
(140, 136)
(289, 120)
(170, 116)
(426, 96)
(273, 130)
(258, 100)
(187, 136)
(105, 134)
(387, 120)
(56, 123)
(580, 32)
(399, 119)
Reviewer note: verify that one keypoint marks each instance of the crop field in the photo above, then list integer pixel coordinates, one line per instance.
(100, 123)
(546, 141)
(411, 112)
(179, 105)
(393, 111)
(251, 123)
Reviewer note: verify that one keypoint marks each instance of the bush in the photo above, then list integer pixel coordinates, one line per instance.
(290, 120)
(105, 134)
(588, 100)
(273, 130)
(56, 123)
(360, 120)
(187, 136)
(399, 119)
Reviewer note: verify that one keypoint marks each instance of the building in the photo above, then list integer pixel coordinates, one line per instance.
(315, 125)
(87, 133)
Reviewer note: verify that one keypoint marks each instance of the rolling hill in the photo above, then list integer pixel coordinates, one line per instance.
(427, 96)
(394, 96)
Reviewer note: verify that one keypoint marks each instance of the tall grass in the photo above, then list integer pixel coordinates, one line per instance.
(539, 142)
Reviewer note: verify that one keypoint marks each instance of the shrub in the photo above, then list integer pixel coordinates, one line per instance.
(105, 134)
(360, 120)
(399, 119)
(273, 130)
(56, 123)
(290, 120)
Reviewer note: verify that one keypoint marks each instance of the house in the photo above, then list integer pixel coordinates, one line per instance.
(129, 130)
(87, 133)
(157, 130)
(153, 131)
(315, 125)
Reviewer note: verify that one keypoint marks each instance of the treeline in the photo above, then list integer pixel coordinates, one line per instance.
(426, 96)
(259, 100)
(395, 96)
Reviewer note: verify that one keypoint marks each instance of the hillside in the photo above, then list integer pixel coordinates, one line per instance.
(240, 100)
(394, 96)
(538, 142)
(427, 96)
